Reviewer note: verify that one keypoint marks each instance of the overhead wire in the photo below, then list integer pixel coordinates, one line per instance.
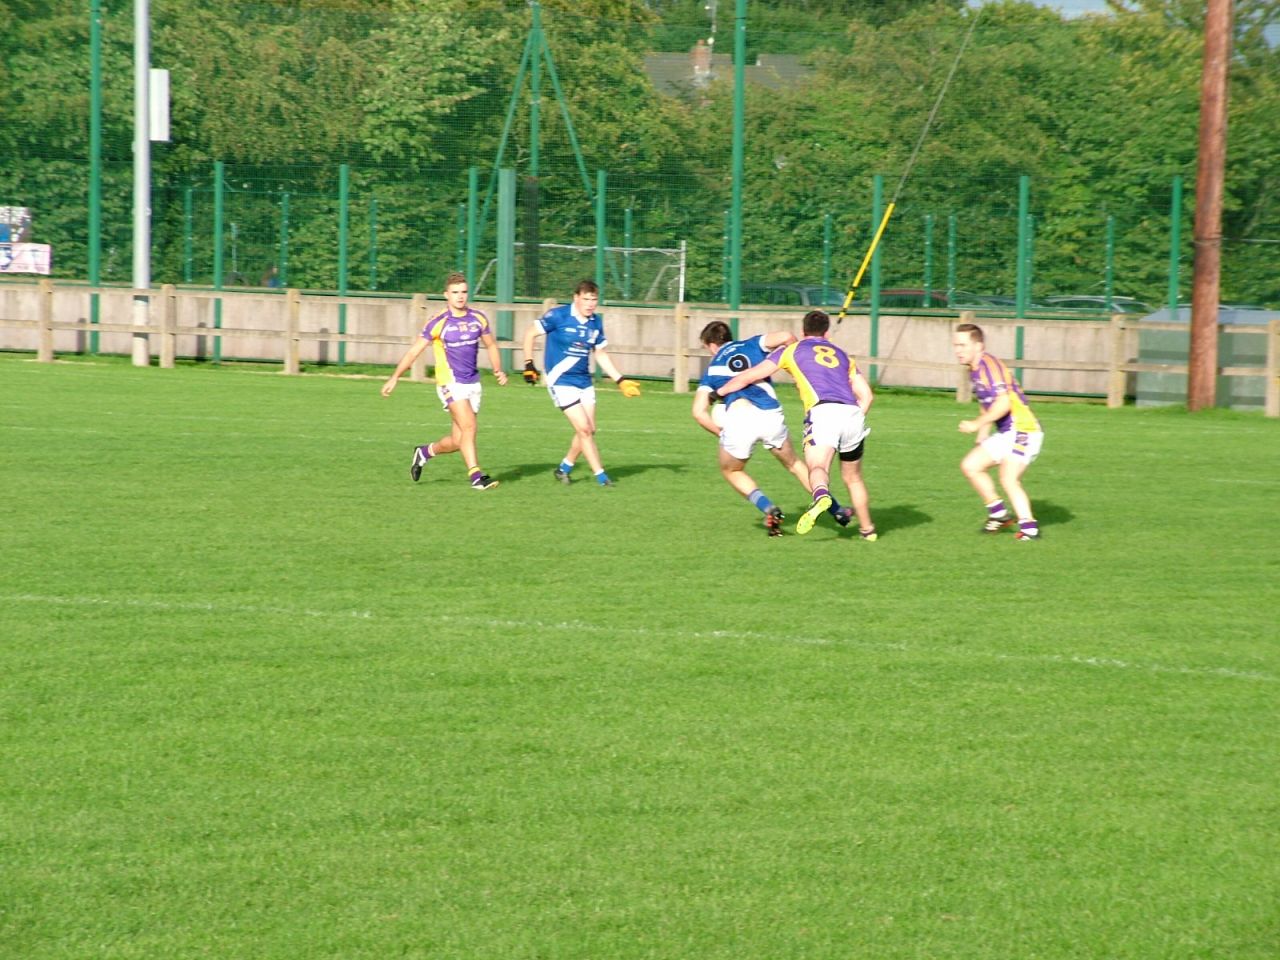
(924, 132)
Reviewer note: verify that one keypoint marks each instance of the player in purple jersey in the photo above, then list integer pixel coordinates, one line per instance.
(1007, 435)
(454, 335)
(836, 399)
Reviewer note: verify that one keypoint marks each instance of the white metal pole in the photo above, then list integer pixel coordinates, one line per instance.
(141, 176)
(683, 257)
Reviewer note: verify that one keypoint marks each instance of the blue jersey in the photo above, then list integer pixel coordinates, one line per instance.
(729, 361)
(570, 340)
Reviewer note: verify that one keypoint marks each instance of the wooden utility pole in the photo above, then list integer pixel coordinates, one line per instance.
(1202, 362)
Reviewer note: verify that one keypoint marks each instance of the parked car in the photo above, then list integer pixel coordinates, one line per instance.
(792, 294)
(1097, 304)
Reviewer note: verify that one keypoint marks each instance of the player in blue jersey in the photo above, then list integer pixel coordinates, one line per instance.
(750, 416)
(455, 335)
(1007, 435)
(836, 399)
(575, 333)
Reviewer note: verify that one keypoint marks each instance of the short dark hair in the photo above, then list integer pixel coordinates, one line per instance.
(973, 330)
(453, 278)
(717, 332)
(586, 286)
(816, 322)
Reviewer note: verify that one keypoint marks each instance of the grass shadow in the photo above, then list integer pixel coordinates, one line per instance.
(1049, 514)
(898, 517)
(582, 474)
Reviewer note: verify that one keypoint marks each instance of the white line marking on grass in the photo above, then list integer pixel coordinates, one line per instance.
(1260, 483)
(140, 603)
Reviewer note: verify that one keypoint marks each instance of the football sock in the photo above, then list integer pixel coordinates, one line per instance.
(474, 472)
(602, 478)
(1029, 527)
(996, 510)
(759, 500)
(835, 507)
(565, 466)
(429, 450)
(820, 491)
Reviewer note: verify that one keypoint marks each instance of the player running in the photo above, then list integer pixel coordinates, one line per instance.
(574, 331)
(1012, 446)
(455, 336)
(751, 415)
(836, 401)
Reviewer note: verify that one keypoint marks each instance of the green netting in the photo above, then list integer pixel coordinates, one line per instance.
(1099, 113)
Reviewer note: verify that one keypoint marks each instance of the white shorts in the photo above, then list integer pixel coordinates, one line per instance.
(837, 425)
(565, 397)
(744, 425)
(450, 393)
(1010, 443)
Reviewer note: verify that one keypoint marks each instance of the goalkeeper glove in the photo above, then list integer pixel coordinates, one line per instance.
(714, 396)
(629, 388)
(530, 373)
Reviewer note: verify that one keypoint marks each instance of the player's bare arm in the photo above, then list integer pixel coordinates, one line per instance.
(628, 387)
(702, 412)
(405, 363)
(999, 408)
(862, 391)
(765, 368)
(778, 338)
(495, 358)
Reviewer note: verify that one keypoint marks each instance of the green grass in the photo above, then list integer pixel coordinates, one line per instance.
(262, 696)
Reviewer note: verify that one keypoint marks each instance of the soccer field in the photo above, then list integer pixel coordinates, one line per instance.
(265, 697)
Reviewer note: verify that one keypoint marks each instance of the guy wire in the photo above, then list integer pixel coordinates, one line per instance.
(888, 210)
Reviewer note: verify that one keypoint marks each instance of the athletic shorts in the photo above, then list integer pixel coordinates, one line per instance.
(1012, 443)
(450, 393)
(840, 426)
(566, 397)
(744, 425)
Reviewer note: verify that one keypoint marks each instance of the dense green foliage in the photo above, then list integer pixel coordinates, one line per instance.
(261, 696)
(1100, 112)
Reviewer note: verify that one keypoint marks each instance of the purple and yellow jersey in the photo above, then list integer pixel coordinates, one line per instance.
(990, 380)
(822, 371)
(456, 342)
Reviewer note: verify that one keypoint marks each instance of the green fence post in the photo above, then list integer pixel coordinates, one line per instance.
(95, 163)
(284, 240)
(951, 256)
(188, 233)
(506, 257)
(373, 243)
(927, 300)
(600, 231)
(218, 211)
(626, 256)
(877, 213)
(826, 258)
(460, 258)
(344, 219)
(473, 213)
(1024, 245)
(1175, 242)
(724, 261)
(738, 157)
(1109, 268)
